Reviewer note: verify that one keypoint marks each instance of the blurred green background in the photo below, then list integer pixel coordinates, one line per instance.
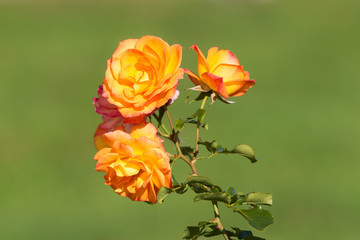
(302, 117)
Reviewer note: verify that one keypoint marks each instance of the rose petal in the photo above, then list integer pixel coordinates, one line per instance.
(222, 57)
(202, 63)
(215, 83)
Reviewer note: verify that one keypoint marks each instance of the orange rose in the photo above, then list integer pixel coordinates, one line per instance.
(142, 75)
(220, 72)
(136, 162)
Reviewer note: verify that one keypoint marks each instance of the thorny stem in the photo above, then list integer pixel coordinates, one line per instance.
(218, 221)
(175, 140)
(177, 144)
(198, 131)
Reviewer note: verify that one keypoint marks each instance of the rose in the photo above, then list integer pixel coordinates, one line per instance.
(136, 162)
(142, 76)
(220, 72)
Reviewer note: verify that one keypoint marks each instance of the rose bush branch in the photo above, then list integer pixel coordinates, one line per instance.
(140, 83)
(198, 131)
(218, 220)
(175, 140)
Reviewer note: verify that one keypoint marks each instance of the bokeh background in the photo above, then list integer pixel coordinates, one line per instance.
(302, 117)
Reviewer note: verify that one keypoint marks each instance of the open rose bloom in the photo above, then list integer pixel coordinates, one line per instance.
(220, 72)
(136, 162)
(142, 75)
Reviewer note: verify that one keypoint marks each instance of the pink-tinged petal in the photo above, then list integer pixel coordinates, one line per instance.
(110, 122)
(123, 46)
(202, 63)
(137, 119)
(222, 57)
(102, 106)
(173, 98)
(230, 72)
(238, 88)
(105, 161)
(215, 83)
(193, 77)
(175, 59)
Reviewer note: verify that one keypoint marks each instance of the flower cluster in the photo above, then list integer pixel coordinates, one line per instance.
(141, 76)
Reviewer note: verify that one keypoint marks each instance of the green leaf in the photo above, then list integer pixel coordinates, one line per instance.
(201, 96)
(242, 149)
(199, 188)
(256, 198)
(199, 184)
(210, 196)
(174, 181)
(200, 179)
(230, 191)
(212, 147)
(200, 114)
(216, 189)
(181, 188)
(246, 151)
(163, 192)
(179, 124)
(207, 229)
(211, 230)
(188, 151)
(191, 232)
(257, 217)
(205, 126)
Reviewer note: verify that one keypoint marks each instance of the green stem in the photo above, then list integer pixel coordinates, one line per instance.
(161, 125)
(163, 134)
(177, 144)
(218, 220)
(198, 131)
